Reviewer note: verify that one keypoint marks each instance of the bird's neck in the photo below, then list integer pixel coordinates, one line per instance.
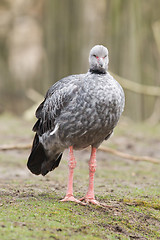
(97, 71)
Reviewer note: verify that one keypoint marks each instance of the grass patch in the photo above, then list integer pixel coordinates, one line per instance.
(35, 211)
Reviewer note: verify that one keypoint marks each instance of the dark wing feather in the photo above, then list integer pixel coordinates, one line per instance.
(38, 160)
(109, 134)
(51, 107)
(39, 110)
(37, 156)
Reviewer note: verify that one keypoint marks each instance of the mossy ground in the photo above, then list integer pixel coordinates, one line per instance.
(30, 206)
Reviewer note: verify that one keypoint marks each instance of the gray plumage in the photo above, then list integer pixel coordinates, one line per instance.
(79, 110)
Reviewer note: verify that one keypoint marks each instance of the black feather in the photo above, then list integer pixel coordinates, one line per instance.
(37, 157)
(51, 165)
(108, 136)
(39, 162)
(36, 126)
(39, 110)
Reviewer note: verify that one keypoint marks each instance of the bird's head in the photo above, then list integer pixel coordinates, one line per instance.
(98, 59)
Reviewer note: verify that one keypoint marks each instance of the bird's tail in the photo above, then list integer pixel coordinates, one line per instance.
(39, 162)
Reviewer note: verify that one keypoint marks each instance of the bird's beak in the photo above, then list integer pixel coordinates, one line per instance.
(101, 62)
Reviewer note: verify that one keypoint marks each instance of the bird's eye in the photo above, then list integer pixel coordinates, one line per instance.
(105, 56)
(94, 55)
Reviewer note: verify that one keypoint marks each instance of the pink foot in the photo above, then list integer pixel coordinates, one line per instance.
(70, 198)
(95, 202)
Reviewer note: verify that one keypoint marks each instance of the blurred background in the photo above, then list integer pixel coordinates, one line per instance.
(42, 41)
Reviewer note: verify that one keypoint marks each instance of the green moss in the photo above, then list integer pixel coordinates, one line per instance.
(138, 202)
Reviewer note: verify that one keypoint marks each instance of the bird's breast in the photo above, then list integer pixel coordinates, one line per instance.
(90, 116)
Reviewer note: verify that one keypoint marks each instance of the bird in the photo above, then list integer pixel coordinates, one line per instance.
(78, 111)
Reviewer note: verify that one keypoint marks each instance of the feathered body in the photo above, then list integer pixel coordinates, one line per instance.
(79, 110)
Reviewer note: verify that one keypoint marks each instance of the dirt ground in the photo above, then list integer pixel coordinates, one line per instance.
(132, 189)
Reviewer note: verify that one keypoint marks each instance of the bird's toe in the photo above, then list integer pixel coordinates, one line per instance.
(95, 202)
(71, 198)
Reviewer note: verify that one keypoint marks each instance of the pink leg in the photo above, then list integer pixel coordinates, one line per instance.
(92, 168)
(89, 197)
(72, 164)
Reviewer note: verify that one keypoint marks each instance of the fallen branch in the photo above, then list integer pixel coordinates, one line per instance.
(137, 87)
(129, 156)
(15, 147)
(101, 148)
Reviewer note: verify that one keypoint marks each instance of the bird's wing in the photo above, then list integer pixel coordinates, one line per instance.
(57, 98)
